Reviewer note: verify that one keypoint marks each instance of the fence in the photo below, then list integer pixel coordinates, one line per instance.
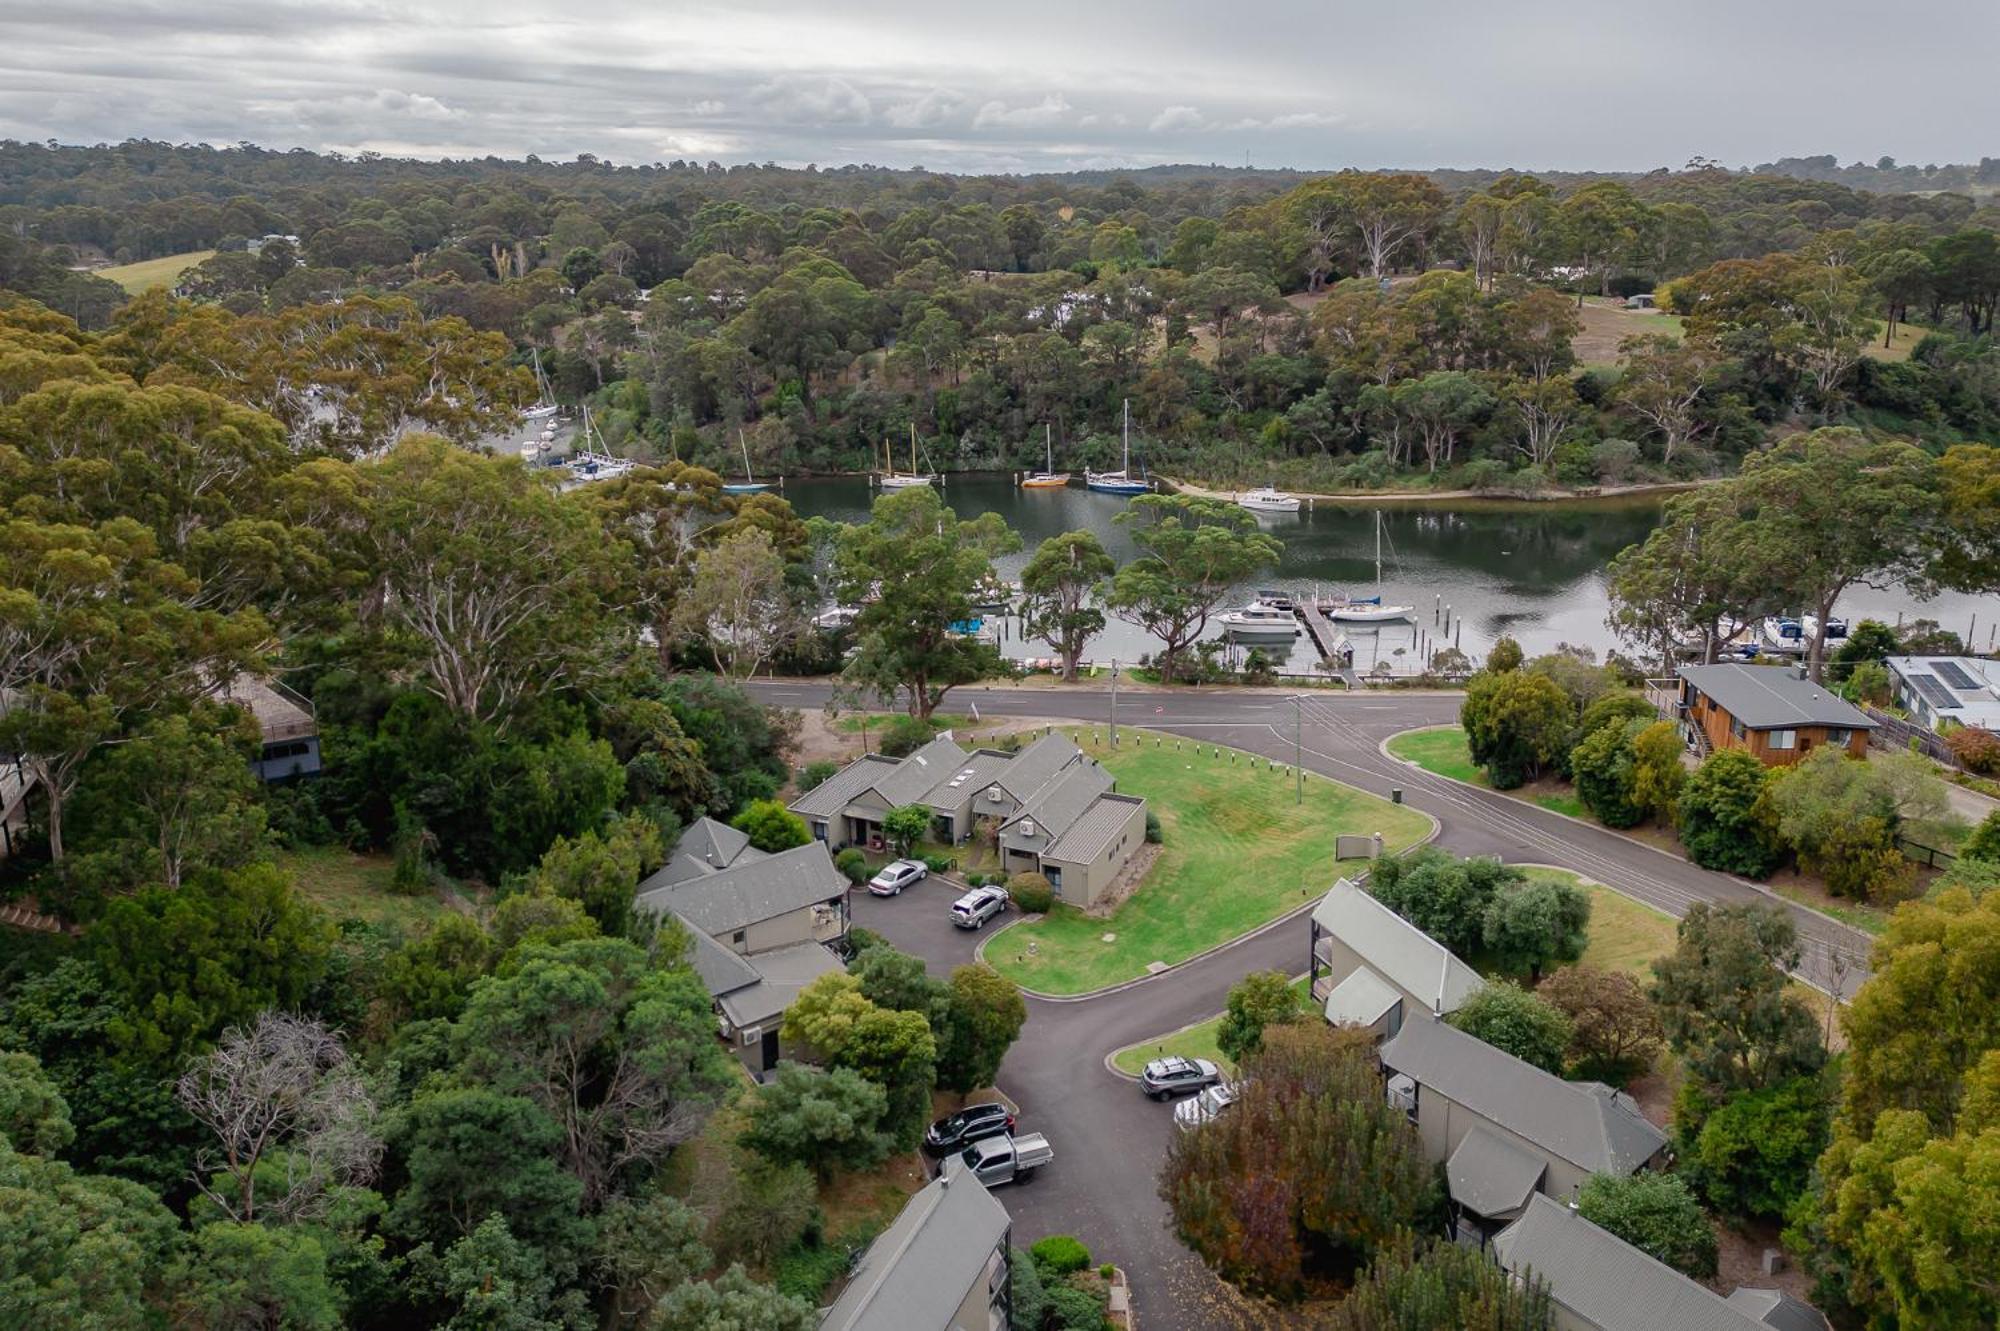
(1931, 857)
(1892, 732)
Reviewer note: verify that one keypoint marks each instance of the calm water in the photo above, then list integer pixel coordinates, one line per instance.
(1535, 571)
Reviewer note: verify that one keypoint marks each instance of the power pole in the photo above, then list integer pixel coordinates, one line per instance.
(1114, 702)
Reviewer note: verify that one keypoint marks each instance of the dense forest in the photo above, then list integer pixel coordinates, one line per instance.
(1244, 314)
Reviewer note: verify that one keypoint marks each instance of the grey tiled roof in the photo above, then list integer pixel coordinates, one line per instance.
(1774, 697)
(838, 791)
(1490, 1175)
(1062, 801)
(704, 848)
(1589, 1125)
(915, 1275)
(722, 970)
(750, 891)
(779, 975)
(1362, 999)
(1034, 766)
(1094, 829)
(1402, 953)
(916, 774)
(968, 780)
(1605, 1280)
(1775, 1308)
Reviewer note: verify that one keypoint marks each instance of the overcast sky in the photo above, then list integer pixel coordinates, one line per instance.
(1026, 85)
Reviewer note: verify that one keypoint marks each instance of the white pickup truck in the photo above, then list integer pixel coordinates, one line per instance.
(998, 1160)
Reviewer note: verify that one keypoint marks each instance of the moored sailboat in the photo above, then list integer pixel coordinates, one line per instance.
(1119, 482)
(1048, 478)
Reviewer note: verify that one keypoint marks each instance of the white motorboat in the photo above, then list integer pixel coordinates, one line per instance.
(1268, 500)
(1275, 597)
(1120, 482)
(1259, 623)
(1369, 609)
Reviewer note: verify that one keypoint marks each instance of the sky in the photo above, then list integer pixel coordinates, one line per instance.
(1028, 85)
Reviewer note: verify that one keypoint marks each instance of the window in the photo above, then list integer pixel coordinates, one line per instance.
(1839, 737)
(1736, 728)
(1784, 739)
(737, 937)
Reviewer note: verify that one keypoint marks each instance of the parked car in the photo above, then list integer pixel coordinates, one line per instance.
(1178, 1076)
(976, 907)
(1204, 1108)
(897, 875)
(1000, 1160)
(970, 1124)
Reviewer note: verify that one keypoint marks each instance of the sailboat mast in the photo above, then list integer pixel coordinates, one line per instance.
(1127, 465)
(1049, 445)
(913, 448)
(1378, 550)
(748, 479)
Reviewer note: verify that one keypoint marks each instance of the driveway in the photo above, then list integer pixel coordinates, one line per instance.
(1109, 1138)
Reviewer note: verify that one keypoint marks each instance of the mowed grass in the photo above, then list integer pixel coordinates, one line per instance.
(1196, 1041)
(150, 273)
(1238, 853)
(357, 887)
(1442, 751)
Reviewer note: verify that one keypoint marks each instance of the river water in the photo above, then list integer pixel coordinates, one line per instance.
(1531, 570)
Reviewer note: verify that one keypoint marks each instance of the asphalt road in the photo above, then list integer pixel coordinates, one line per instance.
(1108, 1137)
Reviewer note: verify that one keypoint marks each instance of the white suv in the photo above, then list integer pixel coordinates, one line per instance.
(976, 907)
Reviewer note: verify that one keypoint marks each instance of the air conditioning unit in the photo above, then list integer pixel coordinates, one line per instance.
(1027, 827)
(995, 795)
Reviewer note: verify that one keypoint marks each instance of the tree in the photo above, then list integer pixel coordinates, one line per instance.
(1504, 655)
(34, 1120)
(1657, 773)
(1514, 1020)
(174, 797)
(279, 1093)
(1310, 1155)
(1753, 1156)
(1533, 923)
(1439, 408)
(1515, 724)
(1387, 212)
(765, 1209)
(820, 1119)
(1724, 1001)
(1193, 553)
(772, 827)
(1059, 585)
(894, 1049)
(1984, 843)
(601, 871)
(1446, 897)
(1655, 1213)
(1695, 579)
(470, 1153)
(906, 825)
(1430, 1284)
(619, 1053)
(1614, 1029)
(1843, 816)
(647, 1245)
(245, 1275)
(1259, 1000)
(1603, 768)
(729, 1302)
(1833, 509)
(738, 603)
(912, 567)
(1724, 823)
(983, 1018)
(82, 1250)
(1966, 542)
(494, 1280)
(1666, 382)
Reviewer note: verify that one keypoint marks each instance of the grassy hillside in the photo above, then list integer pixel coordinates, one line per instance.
(150, 273)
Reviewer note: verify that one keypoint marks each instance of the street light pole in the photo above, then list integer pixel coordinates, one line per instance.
(1298, 746)
(1114, 702)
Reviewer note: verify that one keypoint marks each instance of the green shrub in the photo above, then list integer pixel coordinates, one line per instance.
(1510, 1018)
(1655, 1213)
(1984, 843)
(1754, 1156)
(852, 865)
(939, 863)
(1074, 1309)
(1029, 1302)
(1032, 893)
(815, 774)
(1154, 833)
(904, 736)
(806, 1270)
(1723, 823)
(1602, 766)
(1059, 1255)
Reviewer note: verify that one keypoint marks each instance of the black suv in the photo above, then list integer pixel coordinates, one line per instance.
(970, 1124)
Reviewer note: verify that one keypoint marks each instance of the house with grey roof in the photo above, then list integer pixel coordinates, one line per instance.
(1372, 968)
(1053, 809)
(1777, 1309)
(1775, 713)
(1940, 692)
(1506, 1130)
(942, 1265)
(763, 926)
(1599, 1282)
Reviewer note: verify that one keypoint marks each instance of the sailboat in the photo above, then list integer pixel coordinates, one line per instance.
(1369, 609)
(1118, 482)
(1048, 478)
(749, 485)
(545, 401)
(896, 480)
(591, 463)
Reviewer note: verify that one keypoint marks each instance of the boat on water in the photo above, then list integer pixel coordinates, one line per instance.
(1277, 598)
(749, 485)
(1268, 500)
(909, 480)
(1048, 478)
(1120, 482)
(545, 401)
(1369, 609)
(1792, 635)
(1257, 622)
(592, 462)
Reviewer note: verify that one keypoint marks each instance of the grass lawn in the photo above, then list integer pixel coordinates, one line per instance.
(356, 887)
(1194, 1042)
(1442, 751)
(1237, 853)
(150, 273)
(1793, 886)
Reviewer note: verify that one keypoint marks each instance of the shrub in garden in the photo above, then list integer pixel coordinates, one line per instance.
(1032, 893)
(1723, 822)
(1976, 748)
(904, 736)
(852, 865)
(1058, 1255)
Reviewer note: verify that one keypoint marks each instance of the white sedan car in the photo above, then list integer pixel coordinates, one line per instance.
(897, 875)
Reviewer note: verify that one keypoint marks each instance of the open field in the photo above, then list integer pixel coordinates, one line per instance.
(357, 887)
(1194, 1042)
(1238, 853)
(1606, 323)
(150, 273)
(1442, 751)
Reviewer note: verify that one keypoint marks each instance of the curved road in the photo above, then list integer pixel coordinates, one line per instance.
(1108, 1138)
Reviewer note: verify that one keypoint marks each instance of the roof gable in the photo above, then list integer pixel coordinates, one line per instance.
(917, 1272)
(1394, 948)
(1587, 1124)
(915, 775)
(1035, 766)
(838, 791)
(1062, 801)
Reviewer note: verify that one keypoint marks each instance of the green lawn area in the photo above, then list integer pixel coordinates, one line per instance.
(1442, 752)
(150, 273)
(356, 887)
(1238, 853)
(1194, 1042)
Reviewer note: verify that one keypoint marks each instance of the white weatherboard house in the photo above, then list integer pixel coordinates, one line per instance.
(1947, 690)
(764, 926)
(1373, 968)
(1055, 808)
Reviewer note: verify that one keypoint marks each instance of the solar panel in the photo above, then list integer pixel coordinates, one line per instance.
(1950, 673)
(1936, 694)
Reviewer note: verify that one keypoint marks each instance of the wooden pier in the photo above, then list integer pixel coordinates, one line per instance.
(1324, 635)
